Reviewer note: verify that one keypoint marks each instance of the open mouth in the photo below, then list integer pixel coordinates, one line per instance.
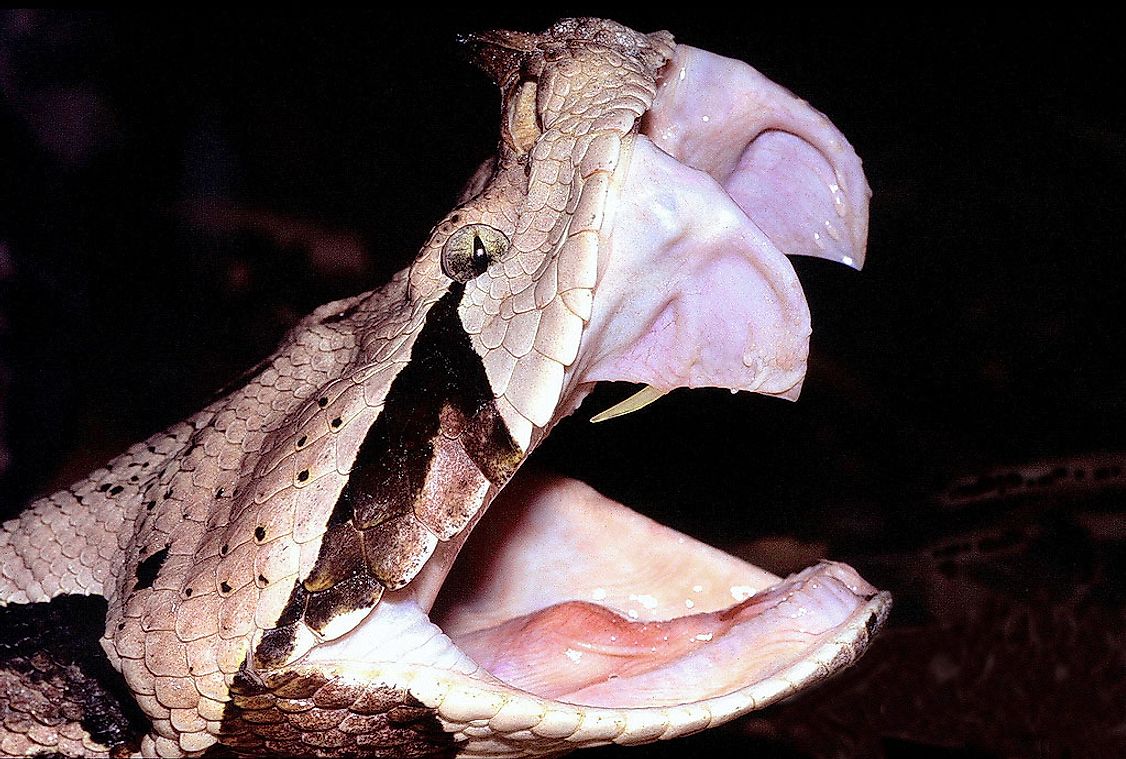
(566, 596)
(580, 599)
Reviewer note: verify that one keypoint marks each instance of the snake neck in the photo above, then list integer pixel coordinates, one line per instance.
(70, 542)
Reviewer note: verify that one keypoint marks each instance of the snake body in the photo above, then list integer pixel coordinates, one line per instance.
(215, 562)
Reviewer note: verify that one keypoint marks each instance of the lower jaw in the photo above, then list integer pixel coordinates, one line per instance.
(590, 655)
(644, 618)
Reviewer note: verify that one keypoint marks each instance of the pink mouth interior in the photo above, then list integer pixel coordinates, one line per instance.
(643, 615)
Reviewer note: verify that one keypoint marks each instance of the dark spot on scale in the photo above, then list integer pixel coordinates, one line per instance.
(103, 487)
(302, 440)
(223, 549)
(224, 587)
(262, 580)
(187, 592)
(120, 626)
(303, 475)
(148, 569)
(116, 490)
(134, 478)
(219, 493)
(168, 493)
(150, 505)
(322, 401)
(152, 449)
(455, 218)
(259, 533)
(337, 422)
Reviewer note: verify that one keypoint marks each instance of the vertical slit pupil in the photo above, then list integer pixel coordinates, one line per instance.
(480, 255)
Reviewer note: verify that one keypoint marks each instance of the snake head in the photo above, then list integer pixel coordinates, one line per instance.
(633, 226)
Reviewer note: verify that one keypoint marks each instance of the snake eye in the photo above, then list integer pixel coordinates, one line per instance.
(470, 249)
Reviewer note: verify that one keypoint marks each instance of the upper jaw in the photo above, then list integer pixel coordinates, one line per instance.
(692, 293)
(730, 174)
(787, 166)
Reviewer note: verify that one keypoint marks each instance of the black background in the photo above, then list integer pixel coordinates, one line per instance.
(986, 330)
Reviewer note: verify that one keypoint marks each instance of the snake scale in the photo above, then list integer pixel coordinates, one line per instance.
(257, 579)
